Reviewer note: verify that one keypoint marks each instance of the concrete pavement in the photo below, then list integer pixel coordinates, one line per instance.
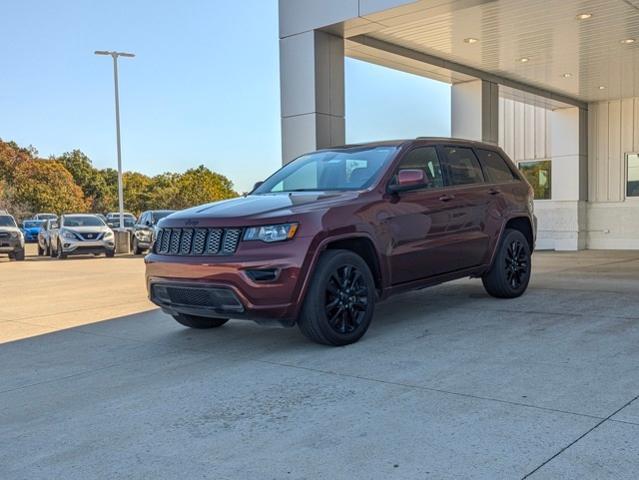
(448, 383)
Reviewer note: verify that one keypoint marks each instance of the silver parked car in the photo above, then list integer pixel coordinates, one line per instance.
(82, 234)
(44, 237)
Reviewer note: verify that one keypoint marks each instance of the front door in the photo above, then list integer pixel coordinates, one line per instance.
(418, 221)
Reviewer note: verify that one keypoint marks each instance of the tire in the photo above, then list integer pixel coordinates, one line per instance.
(40, 250)
(510, 273)
(51, 252)
(200, 323)
(18, 255)
(340, 301)
(109, 253)
(60, 255)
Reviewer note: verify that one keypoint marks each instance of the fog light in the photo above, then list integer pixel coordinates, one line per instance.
(263, 275)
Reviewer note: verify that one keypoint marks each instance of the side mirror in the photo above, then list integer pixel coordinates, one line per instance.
(54, 225)
(256, 186)
(408, 179)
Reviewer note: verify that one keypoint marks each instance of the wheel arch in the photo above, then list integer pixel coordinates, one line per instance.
(522, 223)
(362, 246)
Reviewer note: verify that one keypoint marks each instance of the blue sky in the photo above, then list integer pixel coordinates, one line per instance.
(203, 88)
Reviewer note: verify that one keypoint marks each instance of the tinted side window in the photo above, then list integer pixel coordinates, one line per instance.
(495, 167)
(426, 159)
(462, 166)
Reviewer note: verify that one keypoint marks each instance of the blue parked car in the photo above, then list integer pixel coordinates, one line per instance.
(30, 229)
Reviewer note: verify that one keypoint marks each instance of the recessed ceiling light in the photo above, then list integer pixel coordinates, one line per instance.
(628, 41)
(601, 87)
(567, 75)
(584, 16)
(470, 40)
(524, 59)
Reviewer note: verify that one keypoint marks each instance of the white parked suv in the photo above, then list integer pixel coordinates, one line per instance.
(11, 238)
(82, 234)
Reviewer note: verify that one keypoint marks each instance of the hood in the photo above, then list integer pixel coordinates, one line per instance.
(98, 228)
(241, 210)
(10, 229)
(32, 229)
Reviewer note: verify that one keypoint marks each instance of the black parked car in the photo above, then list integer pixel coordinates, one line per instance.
(144, 231)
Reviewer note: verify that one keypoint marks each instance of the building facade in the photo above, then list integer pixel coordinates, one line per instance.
(556, 84)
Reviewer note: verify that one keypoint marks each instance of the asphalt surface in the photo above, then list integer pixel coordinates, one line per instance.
(447, 383)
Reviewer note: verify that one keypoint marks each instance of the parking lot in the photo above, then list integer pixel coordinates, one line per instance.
(447, 383)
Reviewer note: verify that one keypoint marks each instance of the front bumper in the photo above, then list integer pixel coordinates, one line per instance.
(10, 245)
(260, 282)
(30, 237)
(80, 247)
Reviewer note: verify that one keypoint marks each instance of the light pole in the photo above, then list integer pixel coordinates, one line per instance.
(115, 56)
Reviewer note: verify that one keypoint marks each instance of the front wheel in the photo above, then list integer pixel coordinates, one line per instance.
(136, 247)
(110, 253)
(510, 274)
(19, 255)
(40, 250)
(60, 253)
(201, 323)
(340, 300)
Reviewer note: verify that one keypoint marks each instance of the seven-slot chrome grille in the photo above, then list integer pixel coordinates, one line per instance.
(197, 241)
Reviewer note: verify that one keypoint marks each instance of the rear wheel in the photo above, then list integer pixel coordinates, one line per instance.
(192, 321)
(340, 300)
(510, 274)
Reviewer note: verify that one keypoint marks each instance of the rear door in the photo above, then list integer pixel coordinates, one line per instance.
(469, 200)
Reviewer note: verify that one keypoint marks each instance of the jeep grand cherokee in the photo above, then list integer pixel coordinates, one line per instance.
(333, 232)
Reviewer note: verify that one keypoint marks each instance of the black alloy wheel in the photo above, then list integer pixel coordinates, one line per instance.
(340, 301)
(346, 299)
(516, 264)
(510, 272)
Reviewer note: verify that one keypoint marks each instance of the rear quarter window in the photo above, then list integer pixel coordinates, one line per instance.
(495, 167)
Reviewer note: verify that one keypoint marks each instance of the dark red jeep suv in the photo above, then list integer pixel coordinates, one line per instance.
(333, 232)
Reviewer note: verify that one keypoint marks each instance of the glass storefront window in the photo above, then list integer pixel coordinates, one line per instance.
(632, 175)
(538, 174)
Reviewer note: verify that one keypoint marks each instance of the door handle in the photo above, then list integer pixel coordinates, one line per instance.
(446, 198)
(494, 191)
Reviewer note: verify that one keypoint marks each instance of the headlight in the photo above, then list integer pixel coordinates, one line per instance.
(15, 234)
(69, 235)
(108, 234)
(271, 233)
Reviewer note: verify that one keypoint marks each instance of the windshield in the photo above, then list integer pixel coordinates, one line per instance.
(33, 223)
(344, 169)
(82, 221)
(157, 216)
(115, 222)
(46, 216)
(117, 215)
(7, 221)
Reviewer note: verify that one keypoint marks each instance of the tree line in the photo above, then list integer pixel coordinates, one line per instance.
(70, 183)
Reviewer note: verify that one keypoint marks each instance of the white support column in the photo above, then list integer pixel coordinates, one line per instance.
(312, 92)
(562, 221)
(475, 111)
